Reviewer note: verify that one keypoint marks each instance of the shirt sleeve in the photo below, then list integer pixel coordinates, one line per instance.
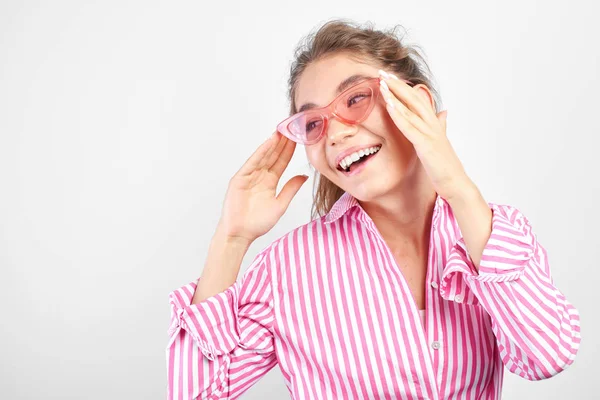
(537, 330)
(221, 346)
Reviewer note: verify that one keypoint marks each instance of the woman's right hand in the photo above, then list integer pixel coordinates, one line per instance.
(251, 207)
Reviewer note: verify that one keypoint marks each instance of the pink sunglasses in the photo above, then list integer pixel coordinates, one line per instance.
(351, 107)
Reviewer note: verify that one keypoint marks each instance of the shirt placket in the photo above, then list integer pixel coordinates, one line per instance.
(436, 345)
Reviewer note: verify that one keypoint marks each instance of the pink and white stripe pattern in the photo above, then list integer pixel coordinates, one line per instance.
(328, 303)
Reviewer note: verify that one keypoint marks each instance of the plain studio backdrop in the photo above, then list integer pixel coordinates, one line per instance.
(121, 125)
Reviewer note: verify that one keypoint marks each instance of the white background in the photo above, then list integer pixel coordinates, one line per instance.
(122, 122)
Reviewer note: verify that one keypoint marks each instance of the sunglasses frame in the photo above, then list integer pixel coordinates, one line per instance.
(329, 111)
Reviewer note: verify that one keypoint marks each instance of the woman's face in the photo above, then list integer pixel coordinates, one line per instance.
(382, 171)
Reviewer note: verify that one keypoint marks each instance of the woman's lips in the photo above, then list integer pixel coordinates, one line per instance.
(351, 150)
(359, 167)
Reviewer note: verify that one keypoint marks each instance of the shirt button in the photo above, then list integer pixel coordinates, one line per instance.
(458, 298)
(434, 285)
(436, 345)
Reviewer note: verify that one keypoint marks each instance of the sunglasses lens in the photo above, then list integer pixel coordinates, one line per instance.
(356, 105)
(307, 127)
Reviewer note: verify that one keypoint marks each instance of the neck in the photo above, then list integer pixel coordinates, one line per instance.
(403, 215)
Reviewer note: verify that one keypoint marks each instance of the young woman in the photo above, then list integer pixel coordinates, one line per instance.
(407, 284)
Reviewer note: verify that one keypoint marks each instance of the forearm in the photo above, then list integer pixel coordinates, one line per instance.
(474, 218)
(225, 256)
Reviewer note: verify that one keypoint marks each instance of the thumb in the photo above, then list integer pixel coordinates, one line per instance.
(290, 189)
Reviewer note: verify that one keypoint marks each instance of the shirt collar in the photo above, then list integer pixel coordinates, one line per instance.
(341, 207)
(347, 201)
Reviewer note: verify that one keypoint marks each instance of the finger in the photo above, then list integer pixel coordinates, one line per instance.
(402, 112)
(404, 91)
(284, 158)
(261, 158)
(272, 157)
(404, 125)
(410, 98)
(290, 190)
(253, 162)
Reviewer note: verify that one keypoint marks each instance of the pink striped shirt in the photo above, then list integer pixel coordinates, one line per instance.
(329, 304)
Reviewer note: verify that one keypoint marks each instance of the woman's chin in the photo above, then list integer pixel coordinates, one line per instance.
(370, 190)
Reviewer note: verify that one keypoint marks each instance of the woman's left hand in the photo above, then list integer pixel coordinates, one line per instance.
(427, 132)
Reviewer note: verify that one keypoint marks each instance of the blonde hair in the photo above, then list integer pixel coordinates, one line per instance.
(363, 43)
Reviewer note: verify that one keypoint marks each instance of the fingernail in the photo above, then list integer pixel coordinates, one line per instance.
(385, 92)
(387, 96)
(384, 85)
(394, 77)
(384, 74)
(389, 102)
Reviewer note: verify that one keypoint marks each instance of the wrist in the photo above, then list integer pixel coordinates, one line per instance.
(466, 193)
(222, 235)
(222, 266)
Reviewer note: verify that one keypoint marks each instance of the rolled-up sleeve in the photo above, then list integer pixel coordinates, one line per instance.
(537, 330)
(221, 346)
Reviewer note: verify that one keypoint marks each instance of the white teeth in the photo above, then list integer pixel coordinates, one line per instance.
(347, 161)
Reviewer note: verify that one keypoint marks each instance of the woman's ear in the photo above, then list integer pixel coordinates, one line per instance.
(425, 95)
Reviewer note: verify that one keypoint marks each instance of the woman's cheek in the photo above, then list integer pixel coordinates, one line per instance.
(316, 157)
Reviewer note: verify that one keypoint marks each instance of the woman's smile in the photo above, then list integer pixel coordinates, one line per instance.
(353, 161)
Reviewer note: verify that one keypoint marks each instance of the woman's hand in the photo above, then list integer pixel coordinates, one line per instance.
(417, 120)
(251, 207)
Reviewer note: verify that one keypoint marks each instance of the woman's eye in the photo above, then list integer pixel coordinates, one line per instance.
(312, 125)
(355, 99)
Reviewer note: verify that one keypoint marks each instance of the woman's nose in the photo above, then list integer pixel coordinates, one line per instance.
(338, 131)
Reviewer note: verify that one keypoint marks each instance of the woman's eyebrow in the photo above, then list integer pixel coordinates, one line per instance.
(349, 81)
